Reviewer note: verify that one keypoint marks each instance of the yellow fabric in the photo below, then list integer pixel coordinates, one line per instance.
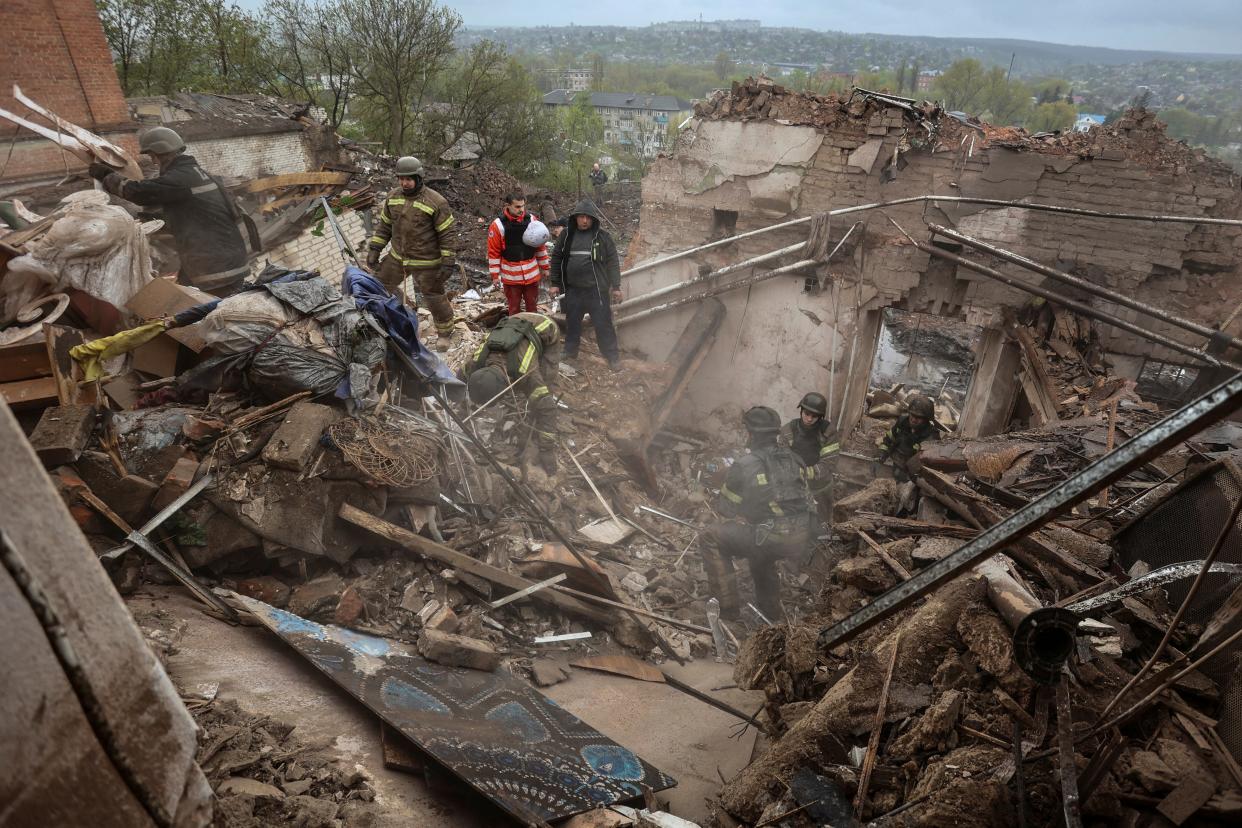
(539, 393)
(444, 225)
(426, 208)
(91, 355)
(736, 498)
(831, 448)
(761, 479)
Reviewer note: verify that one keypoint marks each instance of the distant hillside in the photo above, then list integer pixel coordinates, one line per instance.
(838, 51)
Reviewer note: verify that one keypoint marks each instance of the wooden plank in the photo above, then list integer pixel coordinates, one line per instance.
(892, 562)
(25, 361)
(447, 555)
(301, 179)
(61, 339)
(29, 393)
(1036, 384)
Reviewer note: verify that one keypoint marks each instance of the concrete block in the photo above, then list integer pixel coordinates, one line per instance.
(295, 441)
(458, 650)
(62, 433)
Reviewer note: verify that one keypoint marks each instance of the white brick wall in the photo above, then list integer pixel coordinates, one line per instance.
(311, 252)
(252, 156)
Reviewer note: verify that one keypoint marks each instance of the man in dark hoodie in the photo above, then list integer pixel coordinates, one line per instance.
(586, 269)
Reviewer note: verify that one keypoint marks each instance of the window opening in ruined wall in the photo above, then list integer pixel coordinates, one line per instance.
(1165, 382)
(724, 223)
(919, 352)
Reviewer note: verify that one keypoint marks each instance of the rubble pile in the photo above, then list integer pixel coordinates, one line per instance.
(953, 698)
(1138, 136)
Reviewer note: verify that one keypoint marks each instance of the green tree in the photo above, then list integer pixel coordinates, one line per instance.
(723, 66)
(1005, 102)
(127, 26)
(1052, 117)
(580, 134)
(597, 71)
(310, 55)
(401, 46)
(914, 78)
(486, 93)
(963, 86)
(901, 76)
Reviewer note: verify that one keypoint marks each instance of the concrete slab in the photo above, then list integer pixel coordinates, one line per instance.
(678, 734)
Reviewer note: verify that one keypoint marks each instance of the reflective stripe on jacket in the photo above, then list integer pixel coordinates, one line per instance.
(419, 227)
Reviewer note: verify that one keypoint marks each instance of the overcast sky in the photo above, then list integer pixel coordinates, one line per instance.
(1168, 25)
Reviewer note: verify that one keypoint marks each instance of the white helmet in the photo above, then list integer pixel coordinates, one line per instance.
(536, 235)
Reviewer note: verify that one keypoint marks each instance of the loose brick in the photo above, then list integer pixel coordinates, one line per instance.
(458, 650)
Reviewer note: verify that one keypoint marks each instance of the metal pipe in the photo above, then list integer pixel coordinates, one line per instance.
(719, 289)
(880, 205)
(1186, 421)
(704, 277)
(1076, 306)
(1153, 579)
(1043, 637)
(1089, 287)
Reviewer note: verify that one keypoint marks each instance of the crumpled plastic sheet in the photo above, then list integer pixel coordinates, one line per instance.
(281, 370)
(95, 247)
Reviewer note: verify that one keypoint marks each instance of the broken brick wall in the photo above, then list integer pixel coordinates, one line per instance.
(56, 52)
(780, 341)
(246, 157)
(309, 251)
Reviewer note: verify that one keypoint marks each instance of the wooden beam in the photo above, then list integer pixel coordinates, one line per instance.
(301, 179)
(25, 361)
(28, 393)
(685, 358)
(447, 555)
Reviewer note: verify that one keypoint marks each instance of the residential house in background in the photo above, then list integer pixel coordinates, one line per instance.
(1085, 121)
(638, 123)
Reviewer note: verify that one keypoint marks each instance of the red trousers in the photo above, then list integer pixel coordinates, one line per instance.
(515, 294)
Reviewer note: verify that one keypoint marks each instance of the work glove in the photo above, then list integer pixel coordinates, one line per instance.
(373, 257)
(100, 171)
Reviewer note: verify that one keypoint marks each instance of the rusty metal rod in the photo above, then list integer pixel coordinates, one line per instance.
(713, 291)
(1075, 305)
(1191, 418)
(1087, 286)
(1070, 805)
(935, 199)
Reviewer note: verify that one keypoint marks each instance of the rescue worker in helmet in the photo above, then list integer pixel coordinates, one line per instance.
(418, 224)
(196, 210)
(768, 515)
(524, 349)
(908, 436)
(816, 443)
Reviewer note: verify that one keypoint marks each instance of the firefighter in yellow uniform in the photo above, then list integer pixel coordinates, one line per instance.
(524, 350)
(418, 223)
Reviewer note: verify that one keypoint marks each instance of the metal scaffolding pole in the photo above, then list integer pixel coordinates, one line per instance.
(1084, 285)
(935, 199)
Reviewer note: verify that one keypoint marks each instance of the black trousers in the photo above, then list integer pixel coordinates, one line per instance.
(738, 540)
(580, 301)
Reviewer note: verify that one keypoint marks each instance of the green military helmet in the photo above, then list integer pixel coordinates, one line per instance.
(486, 383)
(761, 419)
(815, 403)
(408, 166)
(161, 140)
(920, 406)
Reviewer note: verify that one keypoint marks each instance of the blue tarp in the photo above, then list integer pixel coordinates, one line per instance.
(400, 322)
